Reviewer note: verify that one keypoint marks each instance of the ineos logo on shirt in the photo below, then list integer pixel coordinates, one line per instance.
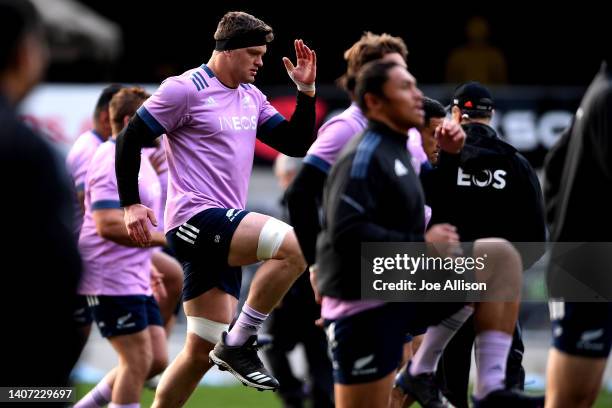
(484, 178)
(238, 122)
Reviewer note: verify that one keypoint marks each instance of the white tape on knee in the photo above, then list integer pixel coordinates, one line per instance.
(206, 329)
(271, 237)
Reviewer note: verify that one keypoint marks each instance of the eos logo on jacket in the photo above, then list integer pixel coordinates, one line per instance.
(484, 178)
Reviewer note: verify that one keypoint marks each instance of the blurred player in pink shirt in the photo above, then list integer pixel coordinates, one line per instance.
(117, 278)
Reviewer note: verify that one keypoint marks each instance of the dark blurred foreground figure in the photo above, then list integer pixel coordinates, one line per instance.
(41, 266)
(578, 169)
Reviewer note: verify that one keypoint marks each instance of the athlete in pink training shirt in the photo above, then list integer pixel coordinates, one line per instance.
(117, 278)
(77, 163)
(304, 195)
(83, 149)
(211, 116)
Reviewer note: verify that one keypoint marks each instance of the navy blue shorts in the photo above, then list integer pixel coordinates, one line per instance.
(120, 315)
(367, 346)
(202, 247)
(582, 329)
(82, 313)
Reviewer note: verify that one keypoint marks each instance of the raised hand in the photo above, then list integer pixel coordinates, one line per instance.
(305, 72)
(450, 136)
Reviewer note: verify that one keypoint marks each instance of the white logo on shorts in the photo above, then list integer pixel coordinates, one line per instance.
(360, 363)
(363, 361)
(591, 335)
(586, 340)
(217, 239)
(121, 321)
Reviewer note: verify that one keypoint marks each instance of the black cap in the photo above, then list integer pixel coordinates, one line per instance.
(472, 96)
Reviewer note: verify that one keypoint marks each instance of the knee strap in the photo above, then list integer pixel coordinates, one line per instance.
(271, 238)
(206, 329)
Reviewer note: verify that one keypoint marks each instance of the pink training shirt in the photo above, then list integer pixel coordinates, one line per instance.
(210, 140)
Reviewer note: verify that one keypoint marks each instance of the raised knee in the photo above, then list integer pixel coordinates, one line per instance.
(274, 235)
(296, 259)
(293, 252)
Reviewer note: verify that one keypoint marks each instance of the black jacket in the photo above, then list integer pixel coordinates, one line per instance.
(488, 190)
(372, 195)
(578, 185)
(578, 168)
(40, 262)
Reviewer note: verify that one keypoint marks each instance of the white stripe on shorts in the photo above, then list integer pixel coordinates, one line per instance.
(184, 238)
(197, 231)
(188, 233)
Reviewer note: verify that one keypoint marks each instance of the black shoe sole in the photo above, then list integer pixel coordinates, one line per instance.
(223, 366)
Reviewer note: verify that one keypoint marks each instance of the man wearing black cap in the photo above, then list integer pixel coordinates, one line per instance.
(488, 190)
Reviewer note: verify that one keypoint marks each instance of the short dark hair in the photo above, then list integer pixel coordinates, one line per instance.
(238, 23)
(105, 98)
(17, 19)
(371, 79)
(432, 109)
(370, 47)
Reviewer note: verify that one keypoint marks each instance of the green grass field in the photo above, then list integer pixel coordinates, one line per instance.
(214, 397)
(239, 396)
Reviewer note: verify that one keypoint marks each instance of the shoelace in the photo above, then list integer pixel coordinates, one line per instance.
(246, 355)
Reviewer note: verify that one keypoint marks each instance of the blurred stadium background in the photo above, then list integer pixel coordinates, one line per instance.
(547, 62)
